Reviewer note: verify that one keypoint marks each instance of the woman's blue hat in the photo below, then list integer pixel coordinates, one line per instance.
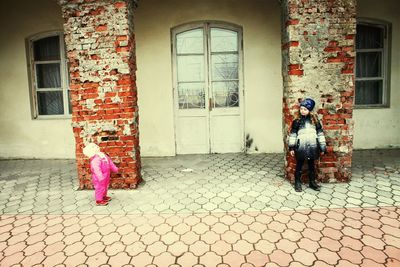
(308, 103)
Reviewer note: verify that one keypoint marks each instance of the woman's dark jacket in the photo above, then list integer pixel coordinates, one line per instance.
(306, 139)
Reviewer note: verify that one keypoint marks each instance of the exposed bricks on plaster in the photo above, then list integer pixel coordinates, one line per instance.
(313, 23)
(101, 51)
(318, 62)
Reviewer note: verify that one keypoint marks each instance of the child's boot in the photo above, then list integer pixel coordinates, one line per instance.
(313, 183)
(297, 182)
(101, 203)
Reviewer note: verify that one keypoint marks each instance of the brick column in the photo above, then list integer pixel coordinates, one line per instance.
(318, 55)
(101, 52)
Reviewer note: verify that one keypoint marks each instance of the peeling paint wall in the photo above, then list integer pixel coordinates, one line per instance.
(101, 51)
(318, 56)
(22, 137)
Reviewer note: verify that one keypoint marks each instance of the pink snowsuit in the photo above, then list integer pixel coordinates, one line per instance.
(101, 169)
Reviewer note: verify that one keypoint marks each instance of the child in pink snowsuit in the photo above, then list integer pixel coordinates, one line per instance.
(101, 167)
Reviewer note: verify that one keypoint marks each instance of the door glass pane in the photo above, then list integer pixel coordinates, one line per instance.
(369, 37)
(47, 49)
(369, 64)
(369, 92)
(48, 75)
(190, 42)
(190, 68)
(224, 66)
(225, 94)
(223, 40)
(50, 103)
(191, 95)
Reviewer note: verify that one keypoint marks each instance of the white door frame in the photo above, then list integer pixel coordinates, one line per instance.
(206, 25)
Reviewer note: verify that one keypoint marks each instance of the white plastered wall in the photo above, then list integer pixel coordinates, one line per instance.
(20, 135)
(260, 20)
(380, 127)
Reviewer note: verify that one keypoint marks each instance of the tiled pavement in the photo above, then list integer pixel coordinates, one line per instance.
(203, 210)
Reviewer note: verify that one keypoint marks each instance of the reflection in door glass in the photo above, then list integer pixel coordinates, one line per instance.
(190, 68)
(223, 40)
(193, 70)
(191, 95)
(225, 94)
(190, 42)
(224, 66)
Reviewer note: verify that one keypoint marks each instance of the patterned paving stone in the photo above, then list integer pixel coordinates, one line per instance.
(187, 259)
(308, 245)
(281, 258)
(30, 260)
(232, 210)
(234, 259)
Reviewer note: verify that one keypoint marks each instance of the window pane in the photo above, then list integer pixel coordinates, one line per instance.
(225, 94)
(191, 95)
(50, 103)
(47, 49)
(69, 102)
(190, 42)
(48, 75)
(369, 92)
(369, 64)
(190, 68)
(223, 40)
(369, 37)
(224, 67)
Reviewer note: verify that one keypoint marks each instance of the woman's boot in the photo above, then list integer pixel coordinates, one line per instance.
(297, 182)
(313, 183)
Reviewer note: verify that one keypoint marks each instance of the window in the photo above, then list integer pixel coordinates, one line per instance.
(48, 76)
(207, 64)
(372, 69)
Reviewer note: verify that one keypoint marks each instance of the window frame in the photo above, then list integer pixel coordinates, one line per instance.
(64, 76)
(385, 62)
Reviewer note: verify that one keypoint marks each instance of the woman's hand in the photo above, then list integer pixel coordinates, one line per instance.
(291, 153)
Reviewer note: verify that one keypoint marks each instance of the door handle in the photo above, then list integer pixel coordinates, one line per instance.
(210, 103)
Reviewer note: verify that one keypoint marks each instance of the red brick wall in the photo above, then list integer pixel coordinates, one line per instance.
(318, 57)
(101, 52)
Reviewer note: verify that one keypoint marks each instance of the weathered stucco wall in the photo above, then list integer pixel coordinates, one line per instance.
(260, 20)
(100, 44)
(318, 56)
(23, 137)
(20, 136)
(380, 127)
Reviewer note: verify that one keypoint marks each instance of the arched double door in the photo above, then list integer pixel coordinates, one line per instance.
(208, 94)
